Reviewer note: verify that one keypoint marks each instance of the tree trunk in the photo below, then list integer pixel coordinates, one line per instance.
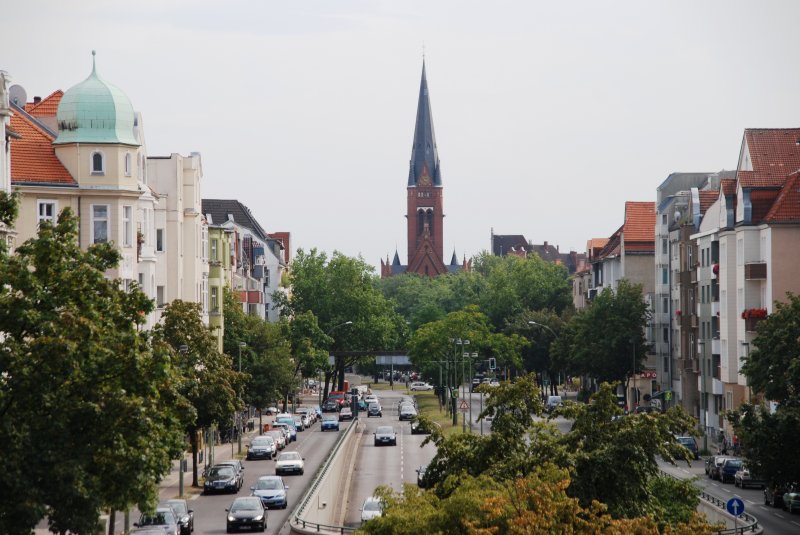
(193, 441)
(340, 365)
(112, 519)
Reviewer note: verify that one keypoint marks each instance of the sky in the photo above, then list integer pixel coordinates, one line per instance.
(548, 115)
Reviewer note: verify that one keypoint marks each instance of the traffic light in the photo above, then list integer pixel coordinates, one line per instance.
(492, 363)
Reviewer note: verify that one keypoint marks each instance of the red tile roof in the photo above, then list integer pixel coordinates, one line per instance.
(33, 159)
(639, 230)
(48, 105)
(786, 208)
(755, 179)
(728, 186)
(707, 198)
(774, 150)
(761, 200)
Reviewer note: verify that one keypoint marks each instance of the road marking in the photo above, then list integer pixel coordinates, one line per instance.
(778, 515)
(795, 523)
(749, 501)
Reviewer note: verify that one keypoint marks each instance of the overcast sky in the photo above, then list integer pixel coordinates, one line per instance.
(548, 115)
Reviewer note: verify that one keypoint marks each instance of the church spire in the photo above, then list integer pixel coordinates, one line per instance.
(424, 165)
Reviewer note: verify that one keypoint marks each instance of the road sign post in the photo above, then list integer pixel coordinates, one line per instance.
(735, 506)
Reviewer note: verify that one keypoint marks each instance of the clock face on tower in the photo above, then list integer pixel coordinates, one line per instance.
(425, 180)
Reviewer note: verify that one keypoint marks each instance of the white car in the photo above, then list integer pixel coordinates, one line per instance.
(371, 398)
(373, 507)
(289, 462)
(420, 386)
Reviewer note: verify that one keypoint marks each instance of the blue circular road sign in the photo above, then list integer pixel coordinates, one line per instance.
(735, 506)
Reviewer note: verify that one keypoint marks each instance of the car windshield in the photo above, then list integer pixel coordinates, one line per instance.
(179, 506)
(289, 456)
(686, 441)
(734, 463)
(264, 441)
(269, 484)
(156, 519)
(329, 417)
(221, 471)
(245, 505)
(385, 430)
(372, 505)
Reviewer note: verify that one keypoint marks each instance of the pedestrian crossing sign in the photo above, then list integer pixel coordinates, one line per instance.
(463, 406)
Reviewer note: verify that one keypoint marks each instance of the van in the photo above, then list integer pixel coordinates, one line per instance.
(552, 403)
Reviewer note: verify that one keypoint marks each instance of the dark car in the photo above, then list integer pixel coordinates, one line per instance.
(727, 472)
(385, 435)
(374, 409)
(791, 498)
(420, 427)
(330, 406)
(246, 512)
(221, 478)
(689, 443)
(329, 421)
(163, 517)
(238, 467)
(773, 494)
(421, 481)
(261, 447)
(185, 515)
(713, 465)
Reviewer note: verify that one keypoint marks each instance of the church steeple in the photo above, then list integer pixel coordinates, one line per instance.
(424, 165)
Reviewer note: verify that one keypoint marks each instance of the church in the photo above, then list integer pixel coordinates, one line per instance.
(425, 202)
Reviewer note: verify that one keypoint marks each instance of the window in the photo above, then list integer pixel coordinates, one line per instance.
(127, 226)
(204, 243)
(160, 240)
(664, 246)
(99, 223)
(666, 364)
(664, 276)
(214, 249)
(47, 211)
(266, 276)
(127, 164)
(663, 219)
(214, 299)
(98, 166)
(665, 333)
(665, 305)
(141, 281)
(160, 296)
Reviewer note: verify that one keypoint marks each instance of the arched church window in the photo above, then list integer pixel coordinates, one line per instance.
(98, 165)
(420, 221)
(430, 221)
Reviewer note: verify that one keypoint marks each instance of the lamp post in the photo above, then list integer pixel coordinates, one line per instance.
(703, 401)
(456, 342)
(183, 350)
(241, 345)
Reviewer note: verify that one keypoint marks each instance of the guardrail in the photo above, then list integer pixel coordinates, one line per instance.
(750, 523)
(297, 521)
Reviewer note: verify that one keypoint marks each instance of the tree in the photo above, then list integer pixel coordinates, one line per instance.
(606, 341)
(207, 379)
(772, 370)
(89, 413)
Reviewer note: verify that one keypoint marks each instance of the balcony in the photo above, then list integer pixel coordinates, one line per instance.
(715, 346)
(752, 316)
(715, 308)
(755, 271)
(716, 387)
(251, 297)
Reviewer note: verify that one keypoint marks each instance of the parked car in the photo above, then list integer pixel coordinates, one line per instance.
(329, 421)
(773, 494)
(289, 426)
(261, 447)
(373, 507)
(299, 423)
(289, 462)
(552, 403)
(420, 386)
(791, 498)
(238, 467)
(279, 437)
(221, 478)
(246, 512)
(272, 491)
(727, 472)
(713, 464)
(330, 406)
(408, 412)
(385, 435)
(371, 398)
(690, 444)
(745, 478)
(162, 517)
(345, 414)
(184, 514)
(374, 409)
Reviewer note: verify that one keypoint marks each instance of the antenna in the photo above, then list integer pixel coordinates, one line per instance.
(17, 95)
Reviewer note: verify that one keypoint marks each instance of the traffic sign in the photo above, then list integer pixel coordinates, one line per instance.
(463, 406)
(735, 506)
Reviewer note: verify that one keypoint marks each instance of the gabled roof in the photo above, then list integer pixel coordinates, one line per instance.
(728, 186)
(755, 179)
(707, 198)
(505, 243)
(786, 208)
(220, 208)
(33, 158)
(612, 246)
(47, 107)
(639, 229)
(761, 200)
(424, 165)
(774, 150)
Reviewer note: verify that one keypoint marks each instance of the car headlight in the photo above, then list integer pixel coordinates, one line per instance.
(231, 518)
(259, 518)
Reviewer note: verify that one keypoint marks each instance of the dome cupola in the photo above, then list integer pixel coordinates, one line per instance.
(95, 111)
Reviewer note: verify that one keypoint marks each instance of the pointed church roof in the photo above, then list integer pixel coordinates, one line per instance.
(454, 260)
(396, 261)
(424, 165)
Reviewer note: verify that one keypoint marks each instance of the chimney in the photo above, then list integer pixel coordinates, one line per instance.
(37, 100)
(545, 245)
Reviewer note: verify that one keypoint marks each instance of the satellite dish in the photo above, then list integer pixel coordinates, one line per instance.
(17, 95)
(677, 215)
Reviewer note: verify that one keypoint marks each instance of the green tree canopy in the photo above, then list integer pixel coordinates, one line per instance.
(89, 413)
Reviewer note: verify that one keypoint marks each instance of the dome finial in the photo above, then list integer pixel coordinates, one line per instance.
(94, 71)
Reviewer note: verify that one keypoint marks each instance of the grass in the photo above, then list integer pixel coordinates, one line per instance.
(428, 404)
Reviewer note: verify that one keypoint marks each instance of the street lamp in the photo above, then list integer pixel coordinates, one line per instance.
(457, 342)
(241, 345)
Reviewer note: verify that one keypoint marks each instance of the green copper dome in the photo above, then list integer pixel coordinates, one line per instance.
(95, 111)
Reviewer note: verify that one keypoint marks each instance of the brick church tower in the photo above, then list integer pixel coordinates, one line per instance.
(424, 197)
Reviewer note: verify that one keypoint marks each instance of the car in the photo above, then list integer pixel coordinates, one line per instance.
(407, 412)
(421, 481)
(773, 494)
(345, 414)
(299, 423)
(727, 472)
(339, 397)
(420, 386)
(745, 478)
(278, 436)
(147, 531)
(374, 409)
(271, 410)
(791, 498)
(289, 462)
(552, 403)
(185, 515)
(221, 478)
(291, 430)
(246, 512)
(372, 508)
(330, 406)
(476, 382)
(308, 416)
(329, 421)
(362, 405)
(420, 428)
(237, 466)
(272, 491)
(385, 435)
(261, 447)
(647, 409)
(163, 517)
(690, 444)
(713, 465)
(371, 398)
(494, 383)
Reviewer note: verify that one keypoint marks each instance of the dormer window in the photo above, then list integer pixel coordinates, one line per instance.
(127, 164)
(98, 164)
